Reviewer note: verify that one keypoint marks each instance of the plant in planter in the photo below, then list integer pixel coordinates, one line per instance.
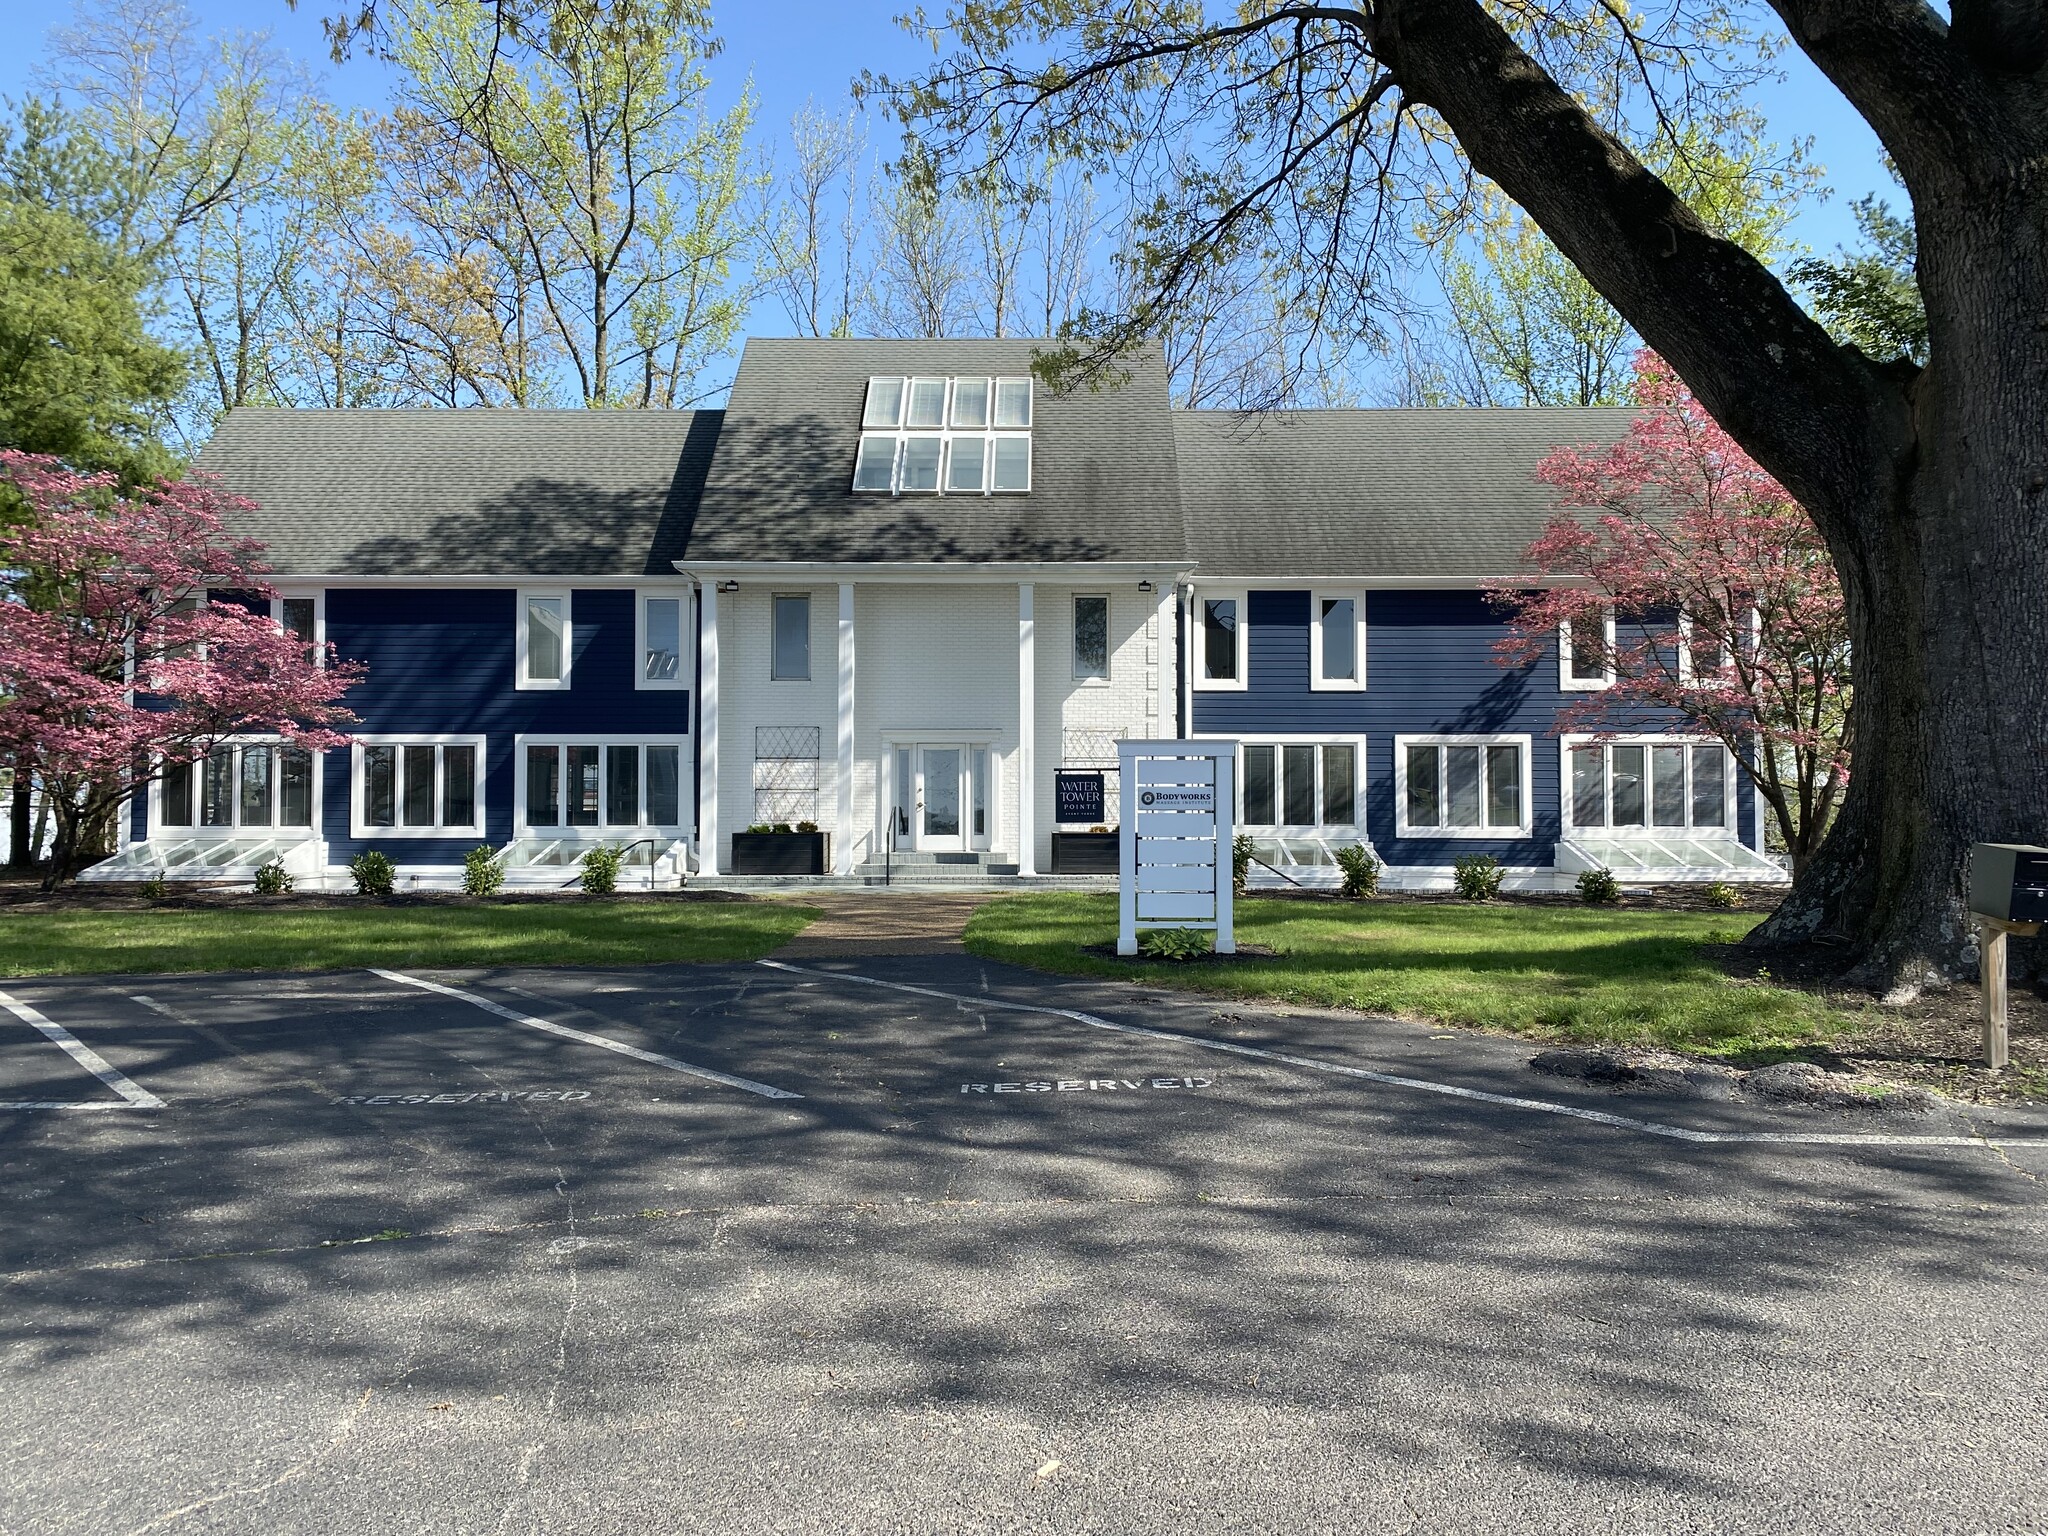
(777, 848)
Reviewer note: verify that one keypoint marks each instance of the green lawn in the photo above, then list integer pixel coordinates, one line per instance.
(593, 932)
(1572, 973)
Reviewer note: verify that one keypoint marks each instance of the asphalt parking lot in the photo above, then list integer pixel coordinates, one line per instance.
(911, 1244)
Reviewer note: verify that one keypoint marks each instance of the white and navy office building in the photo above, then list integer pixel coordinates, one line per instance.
(893, 589)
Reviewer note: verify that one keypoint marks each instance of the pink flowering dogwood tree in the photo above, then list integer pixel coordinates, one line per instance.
(1699, 589)
(114, 666)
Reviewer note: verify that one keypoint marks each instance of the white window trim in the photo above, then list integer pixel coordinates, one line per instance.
(810, 637)
(157, 829)
(1403, 829)
(601, 833)
(1198, 641)
(1565, 681)
(1079, 678)
(1686, 675)
(364, 832)
(685, 662)
(1297, 739)
(546, 685)
(319, 598)
(1316, 681)
(1648, 831)
(946, 432)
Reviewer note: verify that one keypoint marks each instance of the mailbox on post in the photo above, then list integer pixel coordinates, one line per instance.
(2009, 881)
(2008, 894)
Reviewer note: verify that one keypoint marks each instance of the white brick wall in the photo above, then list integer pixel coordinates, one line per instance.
(748, 698)
(937, 660)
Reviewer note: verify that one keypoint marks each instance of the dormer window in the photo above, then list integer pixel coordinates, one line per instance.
(965, 436)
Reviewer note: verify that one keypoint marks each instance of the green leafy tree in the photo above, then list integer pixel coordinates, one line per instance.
(81, 378)
(1870, 297)
(629, 195)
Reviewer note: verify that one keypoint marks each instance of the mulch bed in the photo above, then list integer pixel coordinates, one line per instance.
(25, 895)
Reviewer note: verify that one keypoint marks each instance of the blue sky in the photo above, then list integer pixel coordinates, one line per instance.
(811, 49)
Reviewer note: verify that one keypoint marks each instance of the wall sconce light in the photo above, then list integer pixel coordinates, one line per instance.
(1145, 585)
(728, 586)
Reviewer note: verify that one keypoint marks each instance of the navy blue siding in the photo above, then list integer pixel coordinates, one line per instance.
(441, 662)
(1430, 669)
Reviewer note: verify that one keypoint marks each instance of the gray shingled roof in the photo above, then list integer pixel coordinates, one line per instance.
(473, 492)
(1388, 493)
(780, 488)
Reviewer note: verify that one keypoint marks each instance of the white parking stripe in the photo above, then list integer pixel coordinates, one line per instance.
(767, 1091)
(1423, 1085)
(132, 1096)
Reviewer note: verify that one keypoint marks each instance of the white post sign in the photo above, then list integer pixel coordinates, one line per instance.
(1176, 832)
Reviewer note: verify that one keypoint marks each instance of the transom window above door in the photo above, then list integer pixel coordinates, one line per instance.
(969, 435)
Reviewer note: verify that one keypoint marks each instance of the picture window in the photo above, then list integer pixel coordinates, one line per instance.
(1462, 787)
(417, 788)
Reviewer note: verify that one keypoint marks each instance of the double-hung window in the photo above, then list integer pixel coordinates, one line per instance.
(239, 785)
(1336, 642)
(1091, 637)
(591, 783)
(417, 786)
(963, 436)
(1220, 640)
(1461, 786)
(544, 634)
(1703, 650)
(789, 655)
(1299, 784)
(1646, 784)
(1585, 653)
(660, 636)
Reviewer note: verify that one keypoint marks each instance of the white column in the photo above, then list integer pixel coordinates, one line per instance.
(1168, 653)
(1027, 731)
(707, 727)
(842, 832)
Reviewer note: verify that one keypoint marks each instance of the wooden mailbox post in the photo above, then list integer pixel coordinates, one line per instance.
(2008, 895)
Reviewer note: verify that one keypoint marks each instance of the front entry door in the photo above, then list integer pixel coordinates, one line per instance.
(941, 798)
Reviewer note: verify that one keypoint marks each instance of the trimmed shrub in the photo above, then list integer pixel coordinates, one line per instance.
(601, 869)
(271, 879)
(373, 873)
(1721, 894)
(1599, 887)
(1478, 876)
(1240, 866)
(1175, 943)
(1361, 872)
(482, 874)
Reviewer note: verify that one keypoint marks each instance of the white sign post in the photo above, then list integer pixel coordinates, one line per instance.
(1175, 838)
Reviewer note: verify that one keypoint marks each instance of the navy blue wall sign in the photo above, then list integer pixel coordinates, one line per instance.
(1078, 796)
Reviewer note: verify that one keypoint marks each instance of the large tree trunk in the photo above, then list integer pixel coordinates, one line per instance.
(1929, 485)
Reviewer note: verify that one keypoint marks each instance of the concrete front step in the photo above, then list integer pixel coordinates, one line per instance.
(928, 873)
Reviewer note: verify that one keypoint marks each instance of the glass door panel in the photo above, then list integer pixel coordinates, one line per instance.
(939, 797)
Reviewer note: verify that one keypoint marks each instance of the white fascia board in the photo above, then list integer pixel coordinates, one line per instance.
(1379, 582)
(978, 573)
(290, 583)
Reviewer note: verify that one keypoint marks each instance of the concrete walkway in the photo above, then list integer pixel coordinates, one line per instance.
(896, 922)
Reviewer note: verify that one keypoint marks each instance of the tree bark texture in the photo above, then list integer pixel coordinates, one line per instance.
(1928, 484)
(19, 812)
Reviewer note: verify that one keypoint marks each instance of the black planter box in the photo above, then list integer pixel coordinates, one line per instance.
(778, 853)
(1086, 853)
